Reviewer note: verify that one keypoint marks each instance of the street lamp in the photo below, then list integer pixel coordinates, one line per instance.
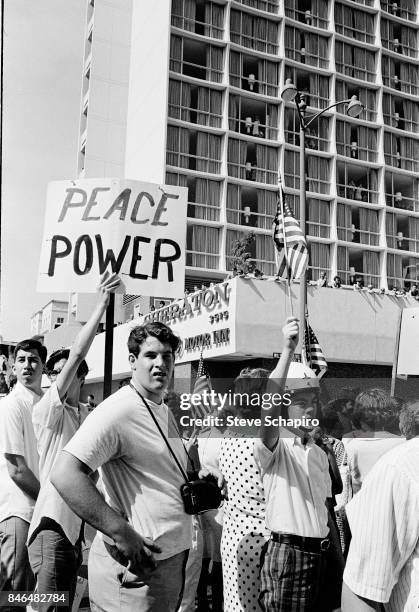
(354, 108)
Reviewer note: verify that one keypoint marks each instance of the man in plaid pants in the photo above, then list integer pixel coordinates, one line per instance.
(296, 480)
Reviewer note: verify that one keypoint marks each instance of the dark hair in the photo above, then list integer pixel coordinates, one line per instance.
(330, 421)
(409, 420)
(155, 329)
(31, 345)
(56, 356)
(375, 408)
(91, 395)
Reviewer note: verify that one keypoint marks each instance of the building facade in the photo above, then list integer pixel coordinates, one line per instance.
(187, 92)
(49, 317)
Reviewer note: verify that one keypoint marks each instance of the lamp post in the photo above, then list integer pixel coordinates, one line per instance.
(354, 109)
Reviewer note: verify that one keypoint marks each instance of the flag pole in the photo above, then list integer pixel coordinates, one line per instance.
(281, 202)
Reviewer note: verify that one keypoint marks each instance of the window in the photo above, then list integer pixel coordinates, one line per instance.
(253, 118)
(354, 23)
(355, 62)
(254, 74)
(195, 104)
(196, 59)
(357, 142)
(306, 47)
(205, 18)
(253, 32)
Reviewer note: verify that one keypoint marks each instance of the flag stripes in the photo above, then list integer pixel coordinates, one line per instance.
(312, 352)
(289, 241)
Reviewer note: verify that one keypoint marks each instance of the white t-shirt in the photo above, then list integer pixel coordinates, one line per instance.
(296, 482)
(54, 424)
(383, 559)
(140, 478)
(364, 452)
(17, 437)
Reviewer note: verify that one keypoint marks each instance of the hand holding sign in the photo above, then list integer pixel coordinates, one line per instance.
(131, 228)
(108, 284)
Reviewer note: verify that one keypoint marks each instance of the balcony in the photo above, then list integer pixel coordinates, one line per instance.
(305, 13)
(195, 104)
(269, 6)
(196, 59)
(401, 76)
(194, 150)
(254, 75)
(354, 24)
(355, 62)
(317, 139)
(401, 113)
(306, 48)
(203, 247)
(318, 172)
(399, 39)
(356, 142)
(204, 18)
(314, 86)
(254, 32)
(252, 162)
(253, 118)
(401, 152)
(355, 182)
(406, 12)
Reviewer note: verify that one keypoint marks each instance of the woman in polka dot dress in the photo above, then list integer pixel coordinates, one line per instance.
(244, 531)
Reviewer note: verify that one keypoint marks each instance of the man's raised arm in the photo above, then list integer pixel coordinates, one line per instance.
(108, 284)
(269, 434)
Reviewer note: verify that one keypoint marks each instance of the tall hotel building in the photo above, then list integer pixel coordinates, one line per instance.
(189, 93)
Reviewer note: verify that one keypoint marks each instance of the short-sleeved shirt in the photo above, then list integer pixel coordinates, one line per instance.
(296, 482)
(54, 423)
(17, 437)
(140, 478)
(383, 559)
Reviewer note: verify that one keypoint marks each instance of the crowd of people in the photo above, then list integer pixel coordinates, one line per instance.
(317, 517)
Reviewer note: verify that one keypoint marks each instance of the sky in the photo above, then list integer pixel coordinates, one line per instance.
(43, 60)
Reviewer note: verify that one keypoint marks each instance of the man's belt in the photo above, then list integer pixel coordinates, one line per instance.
(315, 545)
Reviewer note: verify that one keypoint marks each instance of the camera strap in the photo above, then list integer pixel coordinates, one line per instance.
(182, 471)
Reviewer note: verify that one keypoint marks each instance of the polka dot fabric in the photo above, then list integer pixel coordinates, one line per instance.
(244, 531)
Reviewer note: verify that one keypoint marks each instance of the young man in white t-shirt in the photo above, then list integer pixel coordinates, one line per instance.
(55, 533)
(19, 471)
(138, 557)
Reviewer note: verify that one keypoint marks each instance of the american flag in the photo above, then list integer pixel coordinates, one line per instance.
(291, 244)
(202, 383)
(312, 352)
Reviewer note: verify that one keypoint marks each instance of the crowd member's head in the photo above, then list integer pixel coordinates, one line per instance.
(56, 363)
(91, 401)
(330, 423)
(409, 420)
(152, 349)
(249, 387)
(374, 410)
(303, 386)
(12, 381)
(29, 358)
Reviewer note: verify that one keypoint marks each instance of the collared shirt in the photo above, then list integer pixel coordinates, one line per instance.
(55, 423)
(383, 559)
(296, 482)
(140, 479)
(17, 437)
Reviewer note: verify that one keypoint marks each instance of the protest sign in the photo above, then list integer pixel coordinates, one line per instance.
(134, 228)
